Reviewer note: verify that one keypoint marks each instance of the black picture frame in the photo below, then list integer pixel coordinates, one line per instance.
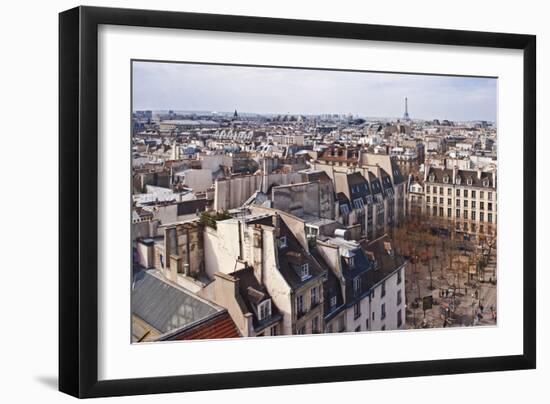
(78, 196)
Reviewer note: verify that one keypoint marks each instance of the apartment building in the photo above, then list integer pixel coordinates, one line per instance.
(466, 198)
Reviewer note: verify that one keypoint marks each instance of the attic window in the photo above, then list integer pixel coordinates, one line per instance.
(264, 309)
(304, 271)
(282, 242)
(469, 181)
(485, 182)
(432, 178)
(446, 179)
(458, 180)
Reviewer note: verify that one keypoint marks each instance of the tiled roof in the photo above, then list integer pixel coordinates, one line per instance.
(220, 326)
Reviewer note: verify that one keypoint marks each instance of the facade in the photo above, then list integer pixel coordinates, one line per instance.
(371, 191)
(366, 288)
(467, 199)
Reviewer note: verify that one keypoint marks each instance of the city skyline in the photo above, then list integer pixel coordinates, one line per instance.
(263, 90)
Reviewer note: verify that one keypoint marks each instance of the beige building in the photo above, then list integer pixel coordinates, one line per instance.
(466, 198)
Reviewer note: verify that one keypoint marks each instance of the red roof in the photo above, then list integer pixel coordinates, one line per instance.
(221, 326)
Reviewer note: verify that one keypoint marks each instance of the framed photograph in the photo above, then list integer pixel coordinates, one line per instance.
(333, 188)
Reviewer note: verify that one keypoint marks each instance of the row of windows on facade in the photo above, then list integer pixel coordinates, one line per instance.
(341, 326)
(458, 180)
(472, 214)
(357, 290)
(472, 193)
(314, 300)
(314, 326)
(457, 202)
(357, 307)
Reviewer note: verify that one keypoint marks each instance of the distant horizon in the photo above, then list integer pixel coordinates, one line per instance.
(305, 114)
(189, 87)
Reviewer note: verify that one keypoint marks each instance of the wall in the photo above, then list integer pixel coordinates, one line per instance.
(37, 382)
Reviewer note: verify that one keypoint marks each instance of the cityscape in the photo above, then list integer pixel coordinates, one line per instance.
(275, 201)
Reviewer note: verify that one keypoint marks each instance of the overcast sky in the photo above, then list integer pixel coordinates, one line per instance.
(179, 86)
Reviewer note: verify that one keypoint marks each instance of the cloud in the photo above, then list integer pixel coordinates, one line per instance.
(181, 86)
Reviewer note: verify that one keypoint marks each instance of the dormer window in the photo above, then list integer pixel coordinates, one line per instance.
(458, 180)
(358, 203)
(432, 178)
(446, 179)
(264, 310)
(304, 271)
(486, 182)
(469, 180)
(282, 242)
(357, 286)
(344, 209)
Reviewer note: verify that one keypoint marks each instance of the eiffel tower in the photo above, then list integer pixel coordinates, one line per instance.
(406, 116)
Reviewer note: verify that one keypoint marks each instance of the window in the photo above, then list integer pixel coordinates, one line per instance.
(333, 301)
(314, 296)
(446, 179)
(315, 324)
(302, 330)
(383, 328)
(358, 328)
(440, 190)
(264, 310)
(449, 212)
(465, 203)
(490, 217)
(481, 194)
(399, 297)
(399, 278)
(282, 242)
(357, 286)
(304, 271)
(490, 196)
(465, 214)
(383, 311)
(490, 206)
(458, 180)
(465, 193)
(449, 191)
(441, 211)
(358, 203)
(344, 210)
(473, 194)
(383, 289)
(481, 205)
(449, 201)
(469, 181)
(458, 192)
(473, 204)
(399, 319)
(367, 325)
(481, 217)
(473, 216)
(300, 304)
(428, 198)
(428, 189)
(441, 201)
(373, 316)
(457, 213)
(357, 310)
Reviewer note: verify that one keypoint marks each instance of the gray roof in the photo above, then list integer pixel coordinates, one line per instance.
(166, 306)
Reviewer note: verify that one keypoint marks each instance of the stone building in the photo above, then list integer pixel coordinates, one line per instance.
(463, 198)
